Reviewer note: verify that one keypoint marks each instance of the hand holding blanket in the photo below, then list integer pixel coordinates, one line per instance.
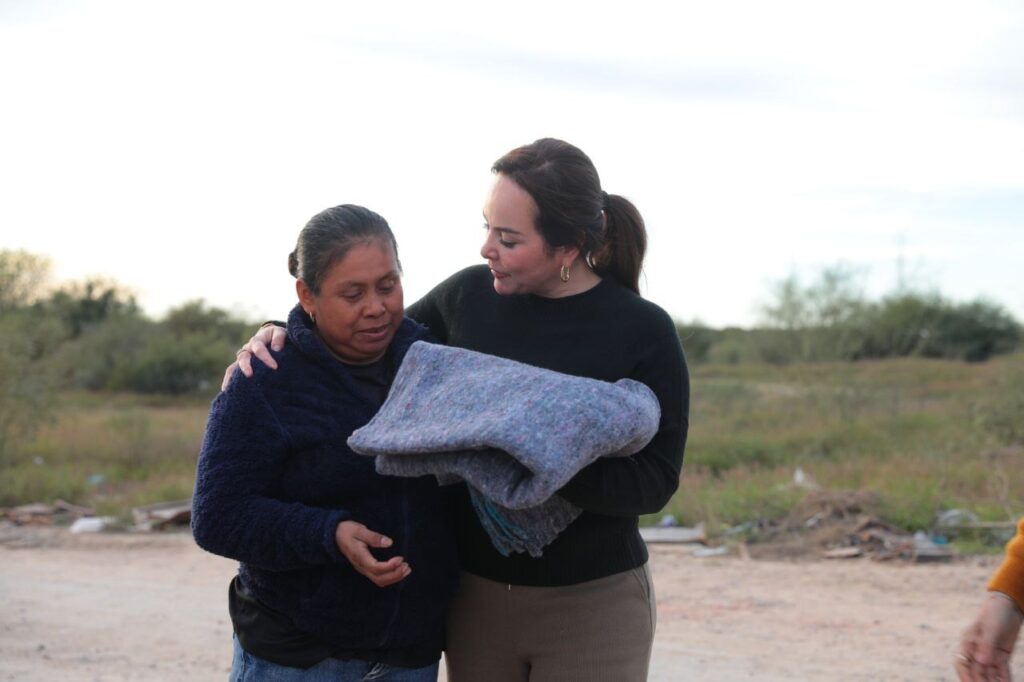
(515, 433)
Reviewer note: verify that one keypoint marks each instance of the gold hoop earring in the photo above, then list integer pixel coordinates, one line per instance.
(563, 274)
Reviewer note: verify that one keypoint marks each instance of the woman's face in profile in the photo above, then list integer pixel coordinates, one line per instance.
(359, 307)
(520, 260)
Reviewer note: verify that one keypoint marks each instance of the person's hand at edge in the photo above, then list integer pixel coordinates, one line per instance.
(269, 333)
(355, 540)
(987, 643)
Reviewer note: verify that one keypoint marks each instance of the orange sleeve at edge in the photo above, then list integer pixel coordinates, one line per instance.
(1009, 577)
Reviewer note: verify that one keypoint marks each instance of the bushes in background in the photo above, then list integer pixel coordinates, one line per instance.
(832, 320)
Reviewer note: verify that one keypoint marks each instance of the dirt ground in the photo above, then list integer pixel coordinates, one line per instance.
(152, 607)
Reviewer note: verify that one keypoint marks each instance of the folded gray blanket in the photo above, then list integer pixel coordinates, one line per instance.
(515, 433)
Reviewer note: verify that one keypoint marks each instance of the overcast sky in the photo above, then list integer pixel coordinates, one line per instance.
(179, 147)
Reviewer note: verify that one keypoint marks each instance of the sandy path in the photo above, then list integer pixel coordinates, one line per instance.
(145, 608)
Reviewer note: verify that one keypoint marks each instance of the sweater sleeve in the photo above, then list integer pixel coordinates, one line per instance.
(1009, 578)
(427, 311)
(233, 511)
(643, 483)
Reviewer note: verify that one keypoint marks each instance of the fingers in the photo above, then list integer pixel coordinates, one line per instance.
(371, 538)
(257, 347)
(227, 376)
(998, 666)
(278, 337)
(971, 670)
(980, 662)
(243, 360)
(983, 653)
(265, 333)
(272, 334)
(965, 661)
(368, 565)
(380, 573)
(962, 665)
(355, 540)
(968, 670)
(260, 350)
(396, 575)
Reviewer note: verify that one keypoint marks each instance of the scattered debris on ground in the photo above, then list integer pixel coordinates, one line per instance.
(704, 552)
(163, 515)
(674, 534)
(78, 519)
(828, 524)
(839, 525)
(954, 523)
(38, 514)
(94, 524)
(693, 539)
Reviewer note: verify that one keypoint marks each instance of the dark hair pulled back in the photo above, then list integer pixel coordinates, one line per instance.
(330, 235)
(567, 190)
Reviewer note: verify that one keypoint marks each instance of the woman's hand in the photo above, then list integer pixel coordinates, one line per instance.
(987, 643)
(257, 345)
(355, 540)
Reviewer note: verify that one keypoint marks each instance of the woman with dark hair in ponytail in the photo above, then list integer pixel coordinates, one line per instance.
(560, 290)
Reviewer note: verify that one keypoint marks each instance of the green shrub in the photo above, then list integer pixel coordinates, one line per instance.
(191, 363)
(26, 380)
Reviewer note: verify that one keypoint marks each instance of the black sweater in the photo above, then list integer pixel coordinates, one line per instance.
(606, 333)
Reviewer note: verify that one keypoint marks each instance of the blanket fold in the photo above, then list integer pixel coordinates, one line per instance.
(515, 433)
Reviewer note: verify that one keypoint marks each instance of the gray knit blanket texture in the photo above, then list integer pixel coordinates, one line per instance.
(513, 432)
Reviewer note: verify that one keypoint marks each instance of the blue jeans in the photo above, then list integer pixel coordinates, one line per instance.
(248, 668)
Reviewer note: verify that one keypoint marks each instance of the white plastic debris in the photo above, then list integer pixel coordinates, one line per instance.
(91, 524)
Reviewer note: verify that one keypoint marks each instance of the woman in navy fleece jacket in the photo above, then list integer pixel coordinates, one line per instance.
(278, 489)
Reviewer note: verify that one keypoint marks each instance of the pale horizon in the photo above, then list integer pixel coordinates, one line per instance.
(179, 149)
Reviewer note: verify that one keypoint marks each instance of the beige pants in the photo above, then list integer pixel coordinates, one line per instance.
(597, 631)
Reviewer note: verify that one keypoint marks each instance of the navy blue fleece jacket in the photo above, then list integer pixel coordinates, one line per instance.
(275, 478)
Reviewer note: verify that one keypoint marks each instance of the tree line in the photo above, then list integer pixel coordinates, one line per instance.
(91, 335)
(831, 319)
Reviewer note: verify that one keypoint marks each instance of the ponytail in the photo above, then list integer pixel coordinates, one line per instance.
(621, 253)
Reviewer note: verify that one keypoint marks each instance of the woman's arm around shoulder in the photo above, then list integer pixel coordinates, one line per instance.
(271, 336)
